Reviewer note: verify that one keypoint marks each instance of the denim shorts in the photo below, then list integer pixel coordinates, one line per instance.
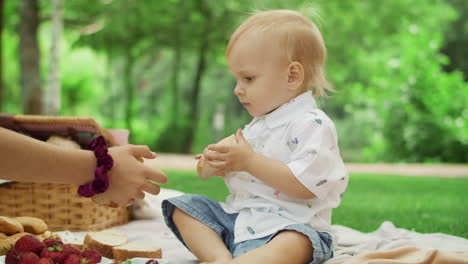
(213, 215)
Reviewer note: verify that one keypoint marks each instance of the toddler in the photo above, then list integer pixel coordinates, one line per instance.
(284, 170)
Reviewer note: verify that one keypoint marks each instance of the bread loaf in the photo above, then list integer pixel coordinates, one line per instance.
(204, 170)
(10, 226)
(32, 225)
(136, 250)
(104, 241)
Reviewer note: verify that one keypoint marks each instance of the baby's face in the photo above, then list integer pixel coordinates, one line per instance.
(261, 69)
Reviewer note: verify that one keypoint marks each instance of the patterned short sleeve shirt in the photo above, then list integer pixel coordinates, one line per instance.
(303, 137)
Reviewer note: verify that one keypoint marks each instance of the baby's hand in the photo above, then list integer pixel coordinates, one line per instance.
(228, 158)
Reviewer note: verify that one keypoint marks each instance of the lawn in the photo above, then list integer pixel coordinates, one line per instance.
(421, 204)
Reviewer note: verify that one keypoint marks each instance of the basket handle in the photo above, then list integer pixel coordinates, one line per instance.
(7, 121)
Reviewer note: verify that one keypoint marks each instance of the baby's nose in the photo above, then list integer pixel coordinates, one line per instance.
(238, 91)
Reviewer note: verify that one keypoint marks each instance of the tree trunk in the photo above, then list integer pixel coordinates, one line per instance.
(175, 70)
(201, 67)
(175, 82)
(111, 114)
(1, 55)
(129, 90)
(52, 97)
(29, 57)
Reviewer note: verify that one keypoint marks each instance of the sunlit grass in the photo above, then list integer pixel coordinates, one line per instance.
(422, 204)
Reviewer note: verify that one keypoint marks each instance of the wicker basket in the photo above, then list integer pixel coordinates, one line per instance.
(58, 204)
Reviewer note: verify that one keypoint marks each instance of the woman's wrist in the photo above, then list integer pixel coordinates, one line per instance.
(86, 162)
(104, 164)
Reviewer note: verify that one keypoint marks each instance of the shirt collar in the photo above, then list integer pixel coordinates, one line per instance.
(285, 112)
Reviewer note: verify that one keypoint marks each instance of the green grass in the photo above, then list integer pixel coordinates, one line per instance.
(421, 204)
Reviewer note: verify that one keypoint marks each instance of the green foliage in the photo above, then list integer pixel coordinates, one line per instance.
(387, 69)
(132, 64)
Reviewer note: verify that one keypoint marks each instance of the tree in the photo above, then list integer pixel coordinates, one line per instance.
(29, 57)
(52, 93)
(456, 39)
(1, 55)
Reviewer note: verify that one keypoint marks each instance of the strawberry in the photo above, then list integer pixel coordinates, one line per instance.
(56, 255)
(11, 257)
(69, 249)
(28, 243)
(53, 242)
(92, 256)
(152, 261)
(45, 261)
(72, 259)
(28, 258)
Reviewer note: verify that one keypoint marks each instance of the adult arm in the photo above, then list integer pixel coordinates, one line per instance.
(25, 159)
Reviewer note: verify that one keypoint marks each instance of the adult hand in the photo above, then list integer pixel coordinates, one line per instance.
(129, 178)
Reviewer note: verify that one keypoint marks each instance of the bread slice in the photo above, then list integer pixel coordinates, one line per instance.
(204, 170)
(136, 250)
(104, 241)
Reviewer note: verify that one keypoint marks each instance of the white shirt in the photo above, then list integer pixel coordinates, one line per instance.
(303, 137)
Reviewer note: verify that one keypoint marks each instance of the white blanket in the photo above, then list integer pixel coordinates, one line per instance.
(350, 242)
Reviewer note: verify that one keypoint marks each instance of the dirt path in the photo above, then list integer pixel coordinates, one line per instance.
(187, 162)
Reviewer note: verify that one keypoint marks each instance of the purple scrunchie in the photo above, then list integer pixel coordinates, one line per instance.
(104, 164)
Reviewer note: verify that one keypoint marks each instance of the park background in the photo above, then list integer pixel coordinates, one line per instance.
(157, 68)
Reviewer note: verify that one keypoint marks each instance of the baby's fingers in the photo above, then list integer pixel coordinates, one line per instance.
(216, 164)
(219, 148)
(214, 156)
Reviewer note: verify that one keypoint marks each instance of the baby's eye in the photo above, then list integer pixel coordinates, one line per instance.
(249, 78)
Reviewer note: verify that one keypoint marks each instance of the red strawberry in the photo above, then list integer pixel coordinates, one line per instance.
(52, 242)
(55, 255)
(28, 258)
(152, 261)
(92, 256)
(28, 243)
(69, 249)
(11, 257)
(45, 261)
(72, 259)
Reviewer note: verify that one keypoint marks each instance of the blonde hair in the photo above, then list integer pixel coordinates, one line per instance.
(302, 39)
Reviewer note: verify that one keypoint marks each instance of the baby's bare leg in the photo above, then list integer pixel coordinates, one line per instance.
(202, 241)
(287, 247)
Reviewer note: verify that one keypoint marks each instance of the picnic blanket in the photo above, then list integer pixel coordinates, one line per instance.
(387, 244)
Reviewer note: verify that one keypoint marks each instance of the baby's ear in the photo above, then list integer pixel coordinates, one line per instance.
(295, 75)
